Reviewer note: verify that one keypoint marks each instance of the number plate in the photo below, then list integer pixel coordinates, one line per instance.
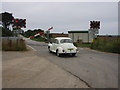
(70, 48)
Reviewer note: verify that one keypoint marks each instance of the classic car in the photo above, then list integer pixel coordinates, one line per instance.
(62, 45)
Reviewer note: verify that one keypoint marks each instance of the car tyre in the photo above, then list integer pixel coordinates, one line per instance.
(73, 54)
(49, 50)
(58, 54)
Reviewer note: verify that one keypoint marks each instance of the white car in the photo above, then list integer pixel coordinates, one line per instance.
(62, 45)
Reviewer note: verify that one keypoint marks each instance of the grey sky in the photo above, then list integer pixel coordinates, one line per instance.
(64, 16)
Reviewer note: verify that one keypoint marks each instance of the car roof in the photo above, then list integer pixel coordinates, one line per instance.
(62, 38)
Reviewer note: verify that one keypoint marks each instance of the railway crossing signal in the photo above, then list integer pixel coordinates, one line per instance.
(94, 24)
(19, 23)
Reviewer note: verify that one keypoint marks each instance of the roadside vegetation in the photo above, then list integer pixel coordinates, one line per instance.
(6, 32)
(39, 39)
(105, 45)
(29, 33)
(82, 45)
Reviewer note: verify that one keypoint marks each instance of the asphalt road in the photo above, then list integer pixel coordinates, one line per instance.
(97, 69)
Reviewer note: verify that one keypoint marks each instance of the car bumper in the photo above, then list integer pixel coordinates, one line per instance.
(68, 51)
(72, 52)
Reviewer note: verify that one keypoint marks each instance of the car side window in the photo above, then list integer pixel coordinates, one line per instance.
(66, 41)
(55, 41)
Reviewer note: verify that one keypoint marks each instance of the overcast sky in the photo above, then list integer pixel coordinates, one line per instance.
(66, 16)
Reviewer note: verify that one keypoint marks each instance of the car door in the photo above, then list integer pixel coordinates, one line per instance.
(56, 44)
(53, 45)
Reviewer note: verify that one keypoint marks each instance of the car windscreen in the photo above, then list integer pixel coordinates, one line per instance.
(66, 41)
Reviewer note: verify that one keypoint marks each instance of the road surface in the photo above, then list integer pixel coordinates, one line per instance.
(96, 69)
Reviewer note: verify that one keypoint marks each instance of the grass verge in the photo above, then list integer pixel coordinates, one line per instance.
(104, 45)
(39, 39)
(82, 45)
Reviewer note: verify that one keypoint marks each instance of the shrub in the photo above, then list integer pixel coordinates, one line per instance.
(106, 45)
(40, 39)
(6, 32)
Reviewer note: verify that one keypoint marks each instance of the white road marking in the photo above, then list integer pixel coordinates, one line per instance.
(32, 47)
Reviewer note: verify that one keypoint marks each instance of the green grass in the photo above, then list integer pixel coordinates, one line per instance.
(82, 45)
(106, 45)
(103, 45)
(39, 39)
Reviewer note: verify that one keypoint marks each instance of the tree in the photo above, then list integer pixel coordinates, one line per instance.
(6, 19)
(32, 32)
(6, 32)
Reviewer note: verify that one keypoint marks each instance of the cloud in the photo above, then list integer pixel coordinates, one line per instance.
(66, 16)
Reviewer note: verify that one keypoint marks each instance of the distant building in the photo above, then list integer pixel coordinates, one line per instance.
(83, 36)
(54, 35)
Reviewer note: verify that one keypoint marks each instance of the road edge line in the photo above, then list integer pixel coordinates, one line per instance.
(32, 48)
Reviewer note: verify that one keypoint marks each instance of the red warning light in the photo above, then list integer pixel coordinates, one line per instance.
(16, 21)
(24, 19)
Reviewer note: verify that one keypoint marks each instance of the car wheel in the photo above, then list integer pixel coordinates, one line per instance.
(49, 50)
(57, 53)
(73, 54)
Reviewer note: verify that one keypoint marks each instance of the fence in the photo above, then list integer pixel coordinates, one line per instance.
(13, 44)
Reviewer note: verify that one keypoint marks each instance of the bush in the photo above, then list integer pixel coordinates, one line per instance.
(82, 44)
(40, 39)
(75, 44)
(106, 45)
(6, 32)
